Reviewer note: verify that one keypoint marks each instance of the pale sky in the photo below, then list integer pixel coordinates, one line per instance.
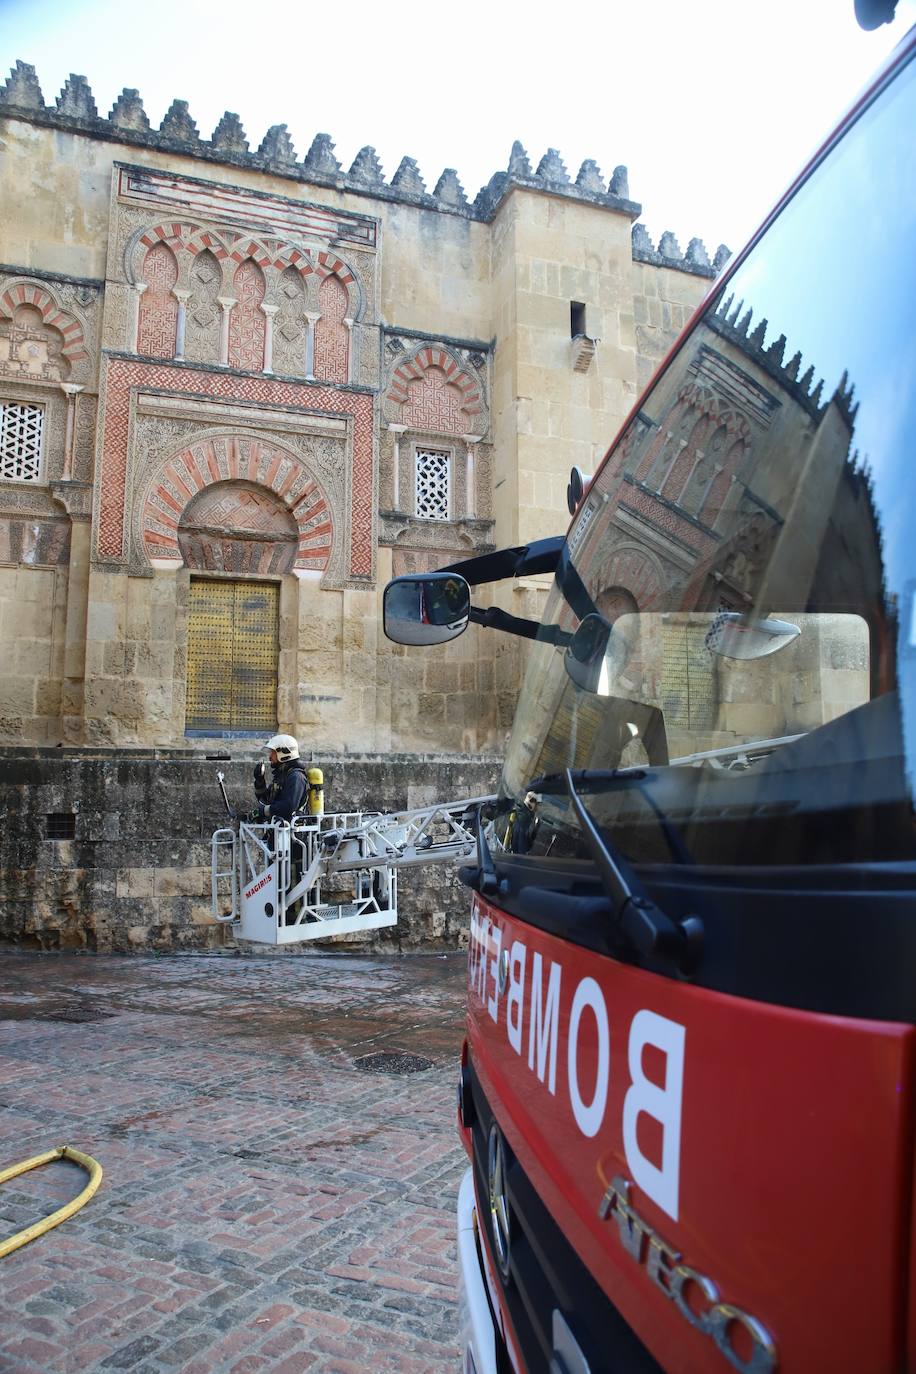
(712, 105)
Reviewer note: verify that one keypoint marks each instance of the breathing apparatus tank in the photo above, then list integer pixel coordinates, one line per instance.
(316, 792)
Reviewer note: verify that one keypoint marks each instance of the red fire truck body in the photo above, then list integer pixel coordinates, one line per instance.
(688, 1088)
(783, 1139)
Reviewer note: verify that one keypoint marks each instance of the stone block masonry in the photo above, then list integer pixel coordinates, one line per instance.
(134, 874)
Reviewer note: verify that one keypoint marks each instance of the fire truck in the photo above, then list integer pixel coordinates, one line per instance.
(687, 1088)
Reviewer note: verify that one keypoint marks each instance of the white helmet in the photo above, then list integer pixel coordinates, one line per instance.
(285, 746)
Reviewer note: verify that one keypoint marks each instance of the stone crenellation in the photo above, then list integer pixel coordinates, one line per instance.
(669, 252)
(128, 122)
(732, 321)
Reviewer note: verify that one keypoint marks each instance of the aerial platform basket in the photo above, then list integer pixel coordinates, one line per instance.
(327, 875)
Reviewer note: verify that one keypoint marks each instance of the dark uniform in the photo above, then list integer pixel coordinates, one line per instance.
(285, 794)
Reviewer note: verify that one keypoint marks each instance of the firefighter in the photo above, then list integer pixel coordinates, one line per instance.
(525, 822)
(287, 791)
(286, 794)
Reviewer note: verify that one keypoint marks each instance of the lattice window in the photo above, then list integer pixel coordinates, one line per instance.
(20, 442)
(434, 483)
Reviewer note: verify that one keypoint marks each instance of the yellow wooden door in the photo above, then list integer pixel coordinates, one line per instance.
(232, 656)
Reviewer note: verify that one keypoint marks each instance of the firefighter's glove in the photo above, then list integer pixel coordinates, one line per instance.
(260, 780)
(251, 817)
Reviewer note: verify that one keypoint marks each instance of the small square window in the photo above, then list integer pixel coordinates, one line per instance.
(20, 441)
(434, 482)
(61, 825)
(576, 319)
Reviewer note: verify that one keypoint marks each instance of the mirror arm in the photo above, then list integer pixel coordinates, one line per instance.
(495, 619)
(525, 560)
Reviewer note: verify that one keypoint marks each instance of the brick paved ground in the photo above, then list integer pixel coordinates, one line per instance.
(267, 1208)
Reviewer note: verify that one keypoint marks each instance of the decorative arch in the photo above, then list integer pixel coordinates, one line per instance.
(712, 503)
(30, 348)
(204, 312)
(180, 236)
(158, 321)
(673, 484)
(247, 321)
(658, 457)
(247, 463)
(237, 527)
(17, 294)
(629, 571)
(332, 335)
(704, 400)
(290, 328)
(448, 398)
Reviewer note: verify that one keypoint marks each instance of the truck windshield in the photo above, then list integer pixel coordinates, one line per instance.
(740, 576)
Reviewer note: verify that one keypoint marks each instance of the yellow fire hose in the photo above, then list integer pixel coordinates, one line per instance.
(93, 1169)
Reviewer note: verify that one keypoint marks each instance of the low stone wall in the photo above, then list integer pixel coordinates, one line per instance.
(135, 877)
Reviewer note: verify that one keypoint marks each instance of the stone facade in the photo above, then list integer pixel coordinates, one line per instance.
(242, 365)
(102, 852)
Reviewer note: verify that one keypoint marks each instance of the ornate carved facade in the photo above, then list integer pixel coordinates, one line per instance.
(306, 377)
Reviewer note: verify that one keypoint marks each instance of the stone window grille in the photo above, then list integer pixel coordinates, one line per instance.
(434, 484)
(21, 429)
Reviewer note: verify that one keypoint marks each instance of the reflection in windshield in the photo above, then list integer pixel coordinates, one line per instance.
(753, 487)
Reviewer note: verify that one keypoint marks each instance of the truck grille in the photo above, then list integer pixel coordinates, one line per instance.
(545, 1273)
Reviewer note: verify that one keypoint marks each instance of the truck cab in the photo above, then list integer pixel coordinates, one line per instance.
(687, 1088)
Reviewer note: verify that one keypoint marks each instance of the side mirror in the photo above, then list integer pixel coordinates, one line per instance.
(732, 635)
(426, 608)
(595, 656)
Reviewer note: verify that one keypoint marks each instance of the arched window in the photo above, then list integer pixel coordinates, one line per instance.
(158, 306)
(332, 337)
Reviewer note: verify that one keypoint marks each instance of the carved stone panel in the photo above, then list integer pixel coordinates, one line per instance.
(202, 332)
(238, 527)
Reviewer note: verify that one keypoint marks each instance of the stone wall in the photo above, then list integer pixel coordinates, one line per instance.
(136, 874)
(242, 359)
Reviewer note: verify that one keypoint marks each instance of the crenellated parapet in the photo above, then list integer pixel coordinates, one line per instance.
(75, 109)
(669, 253)
(732, 321)
(552, 177)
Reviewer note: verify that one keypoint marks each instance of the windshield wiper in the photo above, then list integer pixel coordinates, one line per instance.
(609, 780)
(643, 924)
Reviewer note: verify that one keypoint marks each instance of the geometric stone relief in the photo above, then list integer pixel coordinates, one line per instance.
(240, 528)
(20, 441)
(406, 561)
(434, 390)
(433, 473)
(52, 402)
(247, 320)
(211, 264)
(45, 332)
(204, 313)
(434, 403)
(332, 337)
(122, 458)
(31, 349)
(290, 326)
(158, 305)
(240, 496)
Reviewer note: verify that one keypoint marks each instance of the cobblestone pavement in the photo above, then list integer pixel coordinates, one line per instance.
(267, 1206)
